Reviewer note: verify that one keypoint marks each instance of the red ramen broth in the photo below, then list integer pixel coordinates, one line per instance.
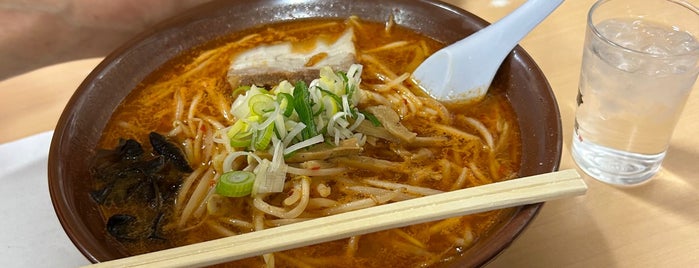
(189, 99)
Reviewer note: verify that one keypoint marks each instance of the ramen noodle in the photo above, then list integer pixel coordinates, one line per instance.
(194, 154)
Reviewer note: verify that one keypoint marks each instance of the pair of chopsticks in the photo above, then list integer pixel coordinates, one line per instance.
(516, 192)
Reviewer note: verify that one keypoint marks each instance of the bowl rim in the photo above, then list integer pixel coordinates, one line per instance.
(69, 217)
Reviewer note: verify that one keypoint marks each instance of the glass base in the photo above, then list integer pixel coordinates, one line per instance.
(614, 166)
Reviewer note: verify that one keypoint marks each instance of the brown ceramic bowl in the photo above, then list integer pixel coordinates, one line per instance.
(86, 115)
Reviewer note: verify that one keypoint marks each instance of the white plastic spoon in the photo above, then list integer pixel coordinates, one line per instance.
(465, 69)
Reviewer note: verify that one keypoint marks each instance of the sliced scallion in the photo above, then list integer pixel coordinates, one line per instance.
(264, 137)
(235, 183)
(372, 118)
(242, 142)
(240, 90)
(239, 134)
(261, 104)
(286, 103)
(302, 105)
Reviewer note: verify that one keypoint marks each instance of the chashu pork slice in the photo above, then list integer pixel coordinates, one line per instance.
(268, 65)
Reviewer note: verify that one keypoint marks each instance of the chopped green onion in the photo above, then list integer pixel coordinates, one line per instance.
(276, 173)
(240, 90)
(286, 103)
(295, 130)
(331, 105)
(261, 104)
(240, 142)
(263, 90)
(235, 183)
(303, 144)
(290, 118)
(302, 105)
(333, 95)
(298, 115)
(343, 75)
(372, 118)
(238, 127)
(239, 134)
(264, 139)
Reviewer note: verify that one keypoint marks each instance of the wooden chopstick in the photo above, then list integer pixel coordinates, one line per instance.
(522, 191)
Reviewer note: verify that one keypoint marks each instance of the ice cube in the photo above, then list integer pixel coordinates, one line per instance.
(650, 38)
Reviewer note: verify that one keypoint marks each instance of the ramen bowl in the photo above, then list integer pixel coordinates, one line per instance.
(79, 129)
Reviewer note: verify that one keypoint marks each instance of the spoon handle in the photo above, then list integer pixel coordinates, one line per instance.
(465, 69)
(486, 49)
(508, 31)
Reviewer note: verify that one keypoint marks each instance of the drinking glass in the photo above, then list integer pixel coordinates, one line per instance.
(640, 62)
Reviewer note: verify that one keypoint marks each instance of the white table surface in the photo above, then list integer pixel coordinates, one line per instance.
(30, 235)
